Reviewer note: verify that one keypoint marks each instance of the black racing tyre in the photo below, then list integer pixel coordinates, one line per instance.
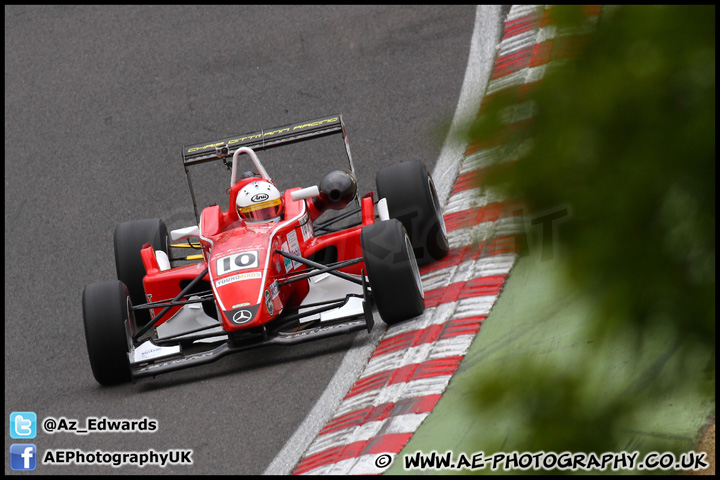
(412, 199)
(106, 306)
(392, 271)
(129, 238)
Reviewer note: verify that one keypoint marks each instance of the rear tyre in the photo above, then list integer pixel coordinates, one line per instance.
(129, 239)
(392, 271)
(412, 199)
(106, 307)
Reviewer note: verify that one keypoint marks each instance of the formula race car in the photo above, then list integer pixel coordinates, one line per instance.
(267, 270)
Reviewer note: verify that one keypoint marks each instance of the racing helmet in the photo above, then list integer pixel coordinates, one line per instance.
(259, 201)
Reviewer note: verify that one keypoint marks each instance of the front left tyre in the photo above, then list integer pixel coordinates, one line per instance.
(411, 198)
(106, 309)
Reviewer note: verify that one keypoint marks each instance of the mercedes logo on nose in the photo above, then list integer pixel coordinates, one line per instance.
(242, 316)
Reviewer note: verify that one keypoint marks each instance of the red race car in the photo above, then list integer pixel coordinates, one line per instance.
(268, 269)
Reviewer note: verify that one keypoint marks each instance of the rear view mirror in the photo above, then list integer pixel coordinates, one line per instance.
(305, 193)
(184, 233)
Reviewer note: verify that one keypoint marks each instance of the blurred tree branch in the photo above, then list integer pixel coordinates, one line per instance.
(625, 135)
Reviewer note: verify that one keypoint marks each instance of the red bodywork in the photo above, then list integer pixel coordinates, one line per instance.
(243, 266)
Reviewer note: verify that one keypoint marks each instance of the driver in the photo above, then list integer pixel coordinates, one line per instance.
(259, 201)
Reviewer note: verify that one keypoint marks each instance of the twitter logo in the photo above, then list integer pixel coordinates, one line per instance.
(23, 425)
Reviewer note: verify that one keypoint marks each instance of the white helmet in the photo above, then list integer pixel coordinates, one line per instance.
(259, 201)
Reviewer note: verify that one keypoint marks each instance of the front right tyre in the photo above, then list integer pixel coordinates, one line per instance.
(392, 271)
(128, 239)
(106, 309)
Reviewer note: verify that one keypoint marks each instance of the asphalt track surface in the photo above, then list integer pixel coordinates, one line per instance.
(99, 101)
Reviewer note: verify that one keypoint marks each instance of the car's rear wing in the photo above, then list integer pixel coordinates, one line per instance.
(262, 140)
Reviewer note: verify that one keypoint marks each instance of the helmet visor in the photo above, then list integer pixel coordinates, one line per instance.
(261, 212)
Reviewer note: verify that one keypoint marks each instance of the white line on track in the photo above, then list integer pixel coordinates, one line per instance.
(486, 32)
(480, 64)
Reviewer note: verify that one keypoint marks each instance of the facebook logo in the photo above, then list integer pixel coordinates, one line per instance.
(23, 425)
(23, 456)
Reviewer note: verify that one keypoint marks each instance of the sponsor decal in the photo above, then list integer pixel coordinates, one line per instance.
(274, 289)
(260, 197)
(254, 136)
(240, 305)
(306, 228)
(238, 277)
(262, 134)
(235, 262)
(294, 246)
(150, 353)
(242, 316)
(269, 303)
(275, 132)
(316, 124)
(210, 145)
(286, 261)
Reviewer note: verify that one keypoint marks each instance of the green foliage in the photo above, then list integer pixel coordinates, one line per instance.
(625, 136)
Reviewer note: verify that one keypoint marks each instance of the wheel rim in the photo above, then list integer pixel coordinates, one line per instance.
(414, 266)
(436, 206)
